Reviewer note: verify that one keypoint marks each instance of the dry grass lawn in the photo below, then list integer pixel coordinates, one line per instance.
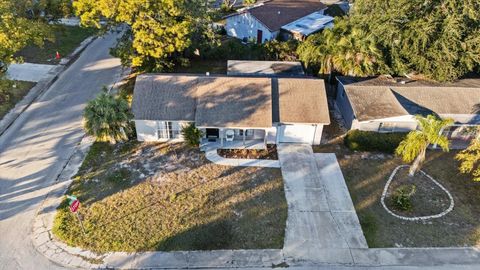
(9, 95)
(139, 197)
(366, 175)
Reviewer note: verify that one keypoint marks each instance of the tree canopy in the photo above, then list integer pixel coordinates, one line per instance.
(18, 28)
(439, 39)
(157, 29)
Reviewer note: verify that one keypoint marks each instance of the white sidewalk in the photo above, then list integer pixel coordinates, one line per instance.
(28, 72)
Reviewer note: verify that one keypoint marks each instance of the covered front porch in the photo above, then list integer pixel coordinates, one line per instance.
(233, 138)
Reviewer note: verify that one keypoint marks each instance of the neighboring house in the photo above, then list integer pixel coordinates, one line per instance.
(386, 104)
(263, 21)
(264, 68)
(253, 112)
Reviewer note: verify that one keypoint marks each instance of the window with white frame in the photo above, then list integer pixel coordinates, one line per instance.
(168, 130)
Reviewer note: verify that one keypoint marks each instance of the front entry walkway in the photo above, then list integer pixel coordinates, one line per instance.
(322, 225)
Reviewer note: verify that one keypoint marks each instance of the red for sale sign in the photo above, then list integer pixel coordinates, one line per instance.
(74, 206)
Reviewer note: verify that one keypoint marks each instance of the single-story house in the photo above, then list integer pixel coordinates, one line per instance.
(263, 21)
(232, 112)
(264, 68)
(386, 104)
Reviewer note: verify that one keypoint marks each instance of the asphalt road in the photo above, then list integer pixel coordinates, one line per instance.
(37, 146)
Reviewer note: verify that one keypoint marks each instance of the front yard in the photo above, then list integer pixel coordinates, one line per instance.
(12, 92)
(366, 175)
(139, 197)
(67, 38)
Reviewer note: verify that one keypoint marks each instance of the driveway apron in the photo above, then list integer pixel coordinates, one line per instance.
(322, 224)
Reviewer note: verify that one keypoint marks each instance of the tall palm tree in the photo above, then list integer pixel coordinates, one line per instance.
(414, 146)
(107, 118)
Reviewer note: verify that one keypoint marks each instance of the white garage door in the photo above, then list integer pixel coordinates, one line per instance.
(296, 133)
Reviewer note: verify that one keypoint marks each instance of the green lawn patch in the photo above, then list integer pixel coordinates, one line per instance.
(67, 38)
(153, 196)
(366, 175)
(12, 92)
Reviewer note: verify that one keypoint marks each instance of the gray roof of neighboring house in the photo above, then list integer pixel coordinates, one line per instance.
(164, 97)
(277, 13)
(383, 99)
(230, 101)
(264, 68)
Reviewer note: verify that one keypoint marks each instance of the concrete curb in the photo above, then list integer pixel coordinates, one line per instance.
(42, 86)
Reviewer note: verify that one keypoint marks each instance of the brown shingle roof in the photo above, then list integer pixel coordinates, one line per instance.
(164, 97)
(230, 101)
(277, 13)
(234, 102)
(302, 101)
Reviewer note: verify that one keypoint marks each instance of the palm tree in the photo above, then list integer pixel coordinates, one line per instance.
(107, 118)
(414, 146)
(470, 158)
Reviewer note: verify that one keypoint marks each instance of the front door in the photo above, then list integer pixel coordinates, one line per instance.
(259, 36)
(212, 133)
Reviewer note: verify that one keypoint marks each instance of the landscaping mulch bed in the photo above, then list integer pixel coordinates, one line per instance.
(428, 198)
(158, 196)
(270, 153)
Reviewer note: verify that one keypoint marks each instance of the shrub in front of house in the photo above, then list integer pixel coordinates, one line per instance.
(192, 135)
(358, 140)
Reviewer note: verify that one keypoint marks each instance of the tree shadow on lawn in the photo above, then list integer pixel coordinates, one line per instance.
(219, 211)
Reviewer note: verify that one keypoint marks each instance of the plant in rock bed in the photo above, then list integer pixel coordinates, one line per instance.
(401, 198)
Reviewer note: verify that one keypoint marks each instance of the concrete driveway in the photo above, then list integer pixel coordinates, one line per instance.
(34, 150)
(28, 72)
(322, 224)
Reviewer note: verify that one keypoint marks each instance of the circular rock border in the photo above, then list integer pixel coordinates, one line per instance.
(384, 193)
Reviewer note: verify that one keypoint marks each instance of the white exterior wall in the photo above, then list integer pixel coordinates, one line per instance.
(245, 25)
(344, 106)
(147, 130)
(400, 124)
(407, 123)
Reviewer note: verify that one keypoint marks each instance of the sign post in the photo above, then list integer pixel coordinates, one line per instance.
(74, 203)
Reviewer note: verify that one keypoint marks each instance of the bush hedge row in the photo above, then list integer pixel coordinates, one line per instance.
(359, 140)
